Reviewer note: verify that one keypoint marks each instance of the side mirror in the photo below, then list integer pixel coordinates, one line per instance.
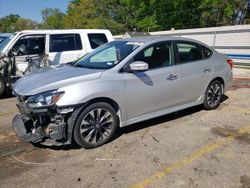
(138, 66)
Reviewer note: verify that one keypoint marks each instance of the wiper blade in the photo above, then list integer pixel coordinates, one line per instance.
(79, 65)
(71, 63)
(82, 66)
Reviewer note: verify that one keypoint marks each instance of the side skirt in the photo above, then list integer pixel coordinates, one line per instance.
(160, 113)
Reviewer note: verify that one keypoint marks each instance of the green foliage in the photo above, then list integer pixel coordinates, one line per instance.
(148, 15)
(52, 19)
(88, 14)
(13, 22)
(120, 16)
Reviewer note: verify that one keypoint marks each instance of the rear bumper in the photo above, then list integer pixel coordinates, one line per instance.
(228, 81)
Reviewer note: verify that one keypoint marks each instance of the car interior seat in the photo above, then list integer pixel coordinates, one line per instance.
(195, 54)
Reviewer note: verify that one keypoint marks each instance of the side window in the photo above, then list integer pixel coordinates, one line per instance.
(65, 42)
(97, 39)
(148, 52)
(189, 52)
(157, 55)
(30, 45)
(206, 52)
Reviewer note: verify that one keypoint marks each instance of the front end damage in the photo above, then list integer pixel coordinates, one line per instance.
(48, 125)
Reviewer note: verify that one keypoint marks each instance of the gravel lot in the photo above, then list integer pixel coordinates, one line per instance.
(191, 148)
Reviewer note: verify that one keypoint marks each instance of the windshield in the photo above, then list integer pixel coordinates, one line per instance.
(5, 41)
(108, 55)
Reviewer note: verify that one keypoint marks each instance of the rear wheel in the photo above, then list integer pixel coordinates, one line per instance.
(2, 86)
(213, 95)
(96, 125)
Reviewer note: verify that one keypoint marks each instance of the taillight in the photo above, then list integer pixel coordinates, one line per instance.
(230, 63)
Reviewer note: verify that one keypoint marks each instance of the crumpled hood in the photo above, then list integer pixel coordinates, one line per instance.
(53, 78)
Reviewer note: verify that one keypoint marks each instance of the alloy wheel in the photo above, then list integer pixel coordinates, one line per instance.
(96, 125)
(214, 95)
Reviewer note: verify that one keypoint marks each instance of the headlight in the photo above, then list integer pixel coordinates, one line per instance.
(44, 99)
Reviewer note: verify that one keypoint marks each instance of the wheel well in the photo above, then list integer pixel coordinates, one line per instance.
(219, 79)
(105, 99)
(92, 101)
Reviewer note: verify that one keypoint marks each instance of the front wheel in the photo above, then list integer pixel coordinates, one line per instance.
(96, 125)
(213, 95)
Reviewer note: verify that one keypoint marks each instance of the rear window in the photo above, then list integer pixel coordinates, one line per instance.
(97, 39)
(65, 42)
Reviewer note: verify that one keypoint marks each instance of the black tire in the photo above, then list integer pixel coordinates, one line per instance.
(96, 125)
(2, 86)
(213, 95)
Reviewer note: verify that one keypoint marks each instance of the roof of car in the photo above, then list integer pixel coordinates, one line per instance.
(62, 31)
(146, 39)
(154, 38)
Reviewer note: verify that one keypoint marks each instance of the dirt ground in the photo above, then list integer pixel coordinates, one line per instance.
(190, 148)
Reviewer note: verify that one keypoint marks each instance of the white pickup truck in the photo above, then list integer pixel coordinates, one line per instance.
(26, 50)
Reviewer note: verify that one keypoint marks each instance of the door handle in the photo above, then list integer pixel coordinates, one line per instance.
(206, 70)
(172, 77)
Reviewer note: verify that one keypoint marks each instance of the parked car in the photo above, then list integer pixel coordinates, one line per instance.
(120, 83)
(26, 51)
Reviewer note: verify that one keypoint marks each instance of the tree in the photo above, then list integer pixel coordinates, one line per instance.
(22, 24)
(84, 14)
(13, 22)
(7, 23)
(52, 18)
(120, 16)
(218, 12)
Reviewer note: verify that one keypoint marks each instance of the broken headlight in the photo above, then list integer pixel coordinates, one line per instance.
(44, 99)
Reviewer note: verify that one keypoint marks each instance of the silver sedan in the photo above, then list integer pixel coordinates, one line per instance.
(118, 84)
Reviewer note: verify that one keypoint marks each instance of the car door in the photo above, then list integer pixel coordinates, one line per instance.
(28, 48)
(194, 70)
(64, 48)
(155, 89)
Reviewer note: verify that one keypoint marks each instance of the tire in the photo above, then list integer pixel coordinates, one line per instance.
(2, 86)
(96, 125)
(213, 95)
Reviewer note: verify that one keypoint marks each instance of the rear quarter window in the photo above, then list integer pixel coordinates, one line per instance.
(65, 42)
(207, 53)
(97, 39)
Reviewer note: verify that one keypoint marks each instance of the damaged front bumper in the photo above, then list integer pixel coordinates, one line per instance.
(49, 125)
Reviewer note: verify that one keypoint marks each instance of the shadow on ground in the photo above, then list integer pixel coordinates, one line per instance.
(141, 125)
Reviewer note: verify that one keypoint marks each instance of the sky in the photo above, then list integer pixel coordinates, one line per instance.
(30, 8)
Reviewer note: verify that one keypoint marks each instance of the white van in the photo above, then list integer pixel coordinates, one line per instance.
(44, 48)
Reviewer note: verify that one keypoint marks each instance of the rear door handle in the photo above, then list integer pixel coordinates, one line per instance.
(207, 70)
(172, 77)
